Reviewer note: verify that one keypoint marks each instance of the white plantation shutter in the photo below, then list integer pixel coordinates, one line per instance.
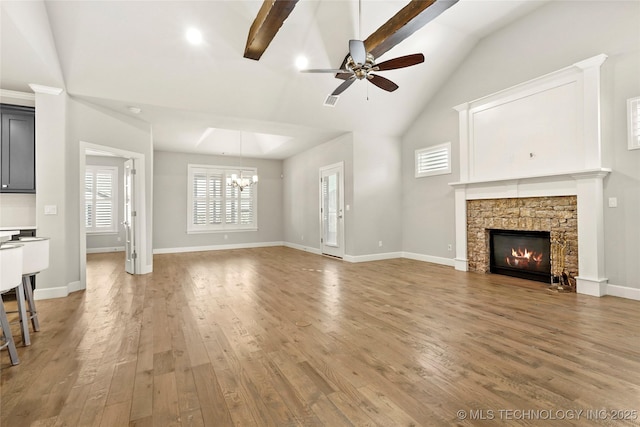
(215, 206)
(633, 108)
(435, 160)
(232, 205)
(101, 199)
(216, 197)
(199, 212)
(246, 206)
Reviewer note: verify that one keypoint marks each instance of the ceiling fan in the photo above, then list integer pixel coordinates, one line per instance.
(360, 65)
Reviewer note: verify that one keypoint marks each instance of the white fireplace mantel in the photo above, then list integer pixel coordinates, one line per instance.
(547, 130)
(586, 185)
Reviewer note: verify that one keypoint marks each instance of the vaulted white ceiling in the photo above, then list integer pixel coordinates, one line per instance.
(133, 53)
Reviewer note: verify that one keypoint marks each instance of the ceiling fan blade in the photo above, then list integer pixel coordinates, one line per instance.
(357, 51)
(382, 82)
(326, 70)
(344, 85)
(400, 62)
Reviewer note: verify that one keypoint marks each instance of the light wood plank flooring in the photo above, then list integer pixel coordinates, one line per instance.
(279, 337)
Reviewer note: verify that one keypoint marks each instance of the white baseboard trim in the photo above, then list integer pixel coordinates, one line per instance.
(57, 292)
(302, 248)
(450, 262)
(75, 286)
(105, 250)
(49, 293)
(378, 257)
(623, 292)
(215, 247)
(593, 287)
(372, 257)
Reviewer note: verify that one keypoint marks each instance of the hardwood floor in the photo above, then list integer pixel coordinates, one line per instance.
(279, 337)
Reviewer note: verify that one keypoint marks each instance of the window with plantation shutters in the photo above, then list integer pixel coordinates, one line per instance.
(215, 206)
(101, 199)
(435, 160)
(633, 119)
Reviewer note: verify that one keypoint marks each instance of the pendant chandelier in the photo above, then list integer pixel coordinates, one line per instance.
(241, 182)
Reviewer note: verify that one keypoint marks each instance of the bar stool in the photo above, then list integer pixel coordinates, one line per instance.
(35, 259)
(10, 277)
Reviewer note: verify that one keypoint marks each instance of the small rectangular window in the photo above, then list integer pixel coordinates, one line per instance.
(633, 122)
(101, 199)
(435, 160)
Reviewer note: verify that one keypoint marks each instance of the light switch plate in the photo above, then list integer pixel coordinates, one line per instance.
(51, 210)
(613, 202)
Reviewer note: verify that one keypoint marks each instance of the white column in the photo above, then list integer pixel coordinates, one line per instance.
(591, 110)
(461, 261)
(592, 280)
(51, 188)
(463, 115)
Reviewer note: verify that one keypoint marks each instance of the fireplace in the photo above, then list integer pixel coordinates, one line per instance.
(521, 253)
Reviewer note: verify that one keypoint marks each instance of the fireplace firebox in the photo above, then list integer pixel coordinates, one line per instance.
(524, 254)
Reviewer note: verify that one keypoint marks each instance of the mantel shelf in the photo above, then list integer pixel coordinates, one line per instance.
(587, 173)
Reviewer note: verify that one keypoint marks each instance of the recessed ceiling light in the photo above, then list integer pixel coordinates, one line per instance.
(302, 62)
(134, 110)
(194, 36)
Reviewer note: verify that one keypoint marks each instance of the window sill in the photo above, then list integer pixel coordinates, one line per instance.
(233, 230)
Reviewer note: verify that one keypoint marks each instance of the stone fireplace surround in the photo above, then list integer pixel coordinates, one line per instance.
(557, 215)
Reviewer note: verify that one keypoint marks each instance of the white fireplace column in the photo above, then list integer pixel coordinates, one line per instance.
(589, 189)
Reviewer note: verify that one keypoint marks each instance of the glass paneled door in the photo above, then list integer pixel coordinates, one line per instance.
(129, 222)
(331, 210)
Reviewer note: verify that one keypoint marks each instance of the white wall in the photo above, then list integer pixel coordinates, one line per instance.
(170, 203)
(301, 193)
(377, 195)
(372, 191)
(101, 242)
(554, 36)
(51, 190)
(96, 125)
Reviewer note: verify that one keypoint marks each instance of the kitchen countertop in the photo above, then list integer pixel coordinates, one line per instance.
(19, 227)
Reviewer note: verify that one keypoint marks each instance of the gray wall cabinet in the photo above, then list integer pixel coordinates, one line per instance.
(17, 156)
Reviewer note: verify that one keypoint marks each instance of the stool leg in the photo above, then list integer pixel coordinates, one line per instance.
(6, 331)
(24, 320)
(28, 291)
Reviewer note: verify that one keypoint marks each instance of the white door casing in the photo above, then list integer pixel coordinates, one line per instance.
(332, 210)
(129, 222)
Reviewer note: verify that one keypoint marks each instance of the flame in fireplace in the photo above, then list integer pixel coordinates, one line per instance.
(523, 258)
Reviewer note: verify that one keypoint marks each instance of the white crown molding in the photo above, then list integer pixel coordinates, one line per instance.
(45, 89)
(4, 93)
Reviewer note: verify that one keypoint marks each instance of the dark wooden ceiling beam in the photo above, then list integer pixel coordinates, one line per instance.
(270, 18)
(407, 21)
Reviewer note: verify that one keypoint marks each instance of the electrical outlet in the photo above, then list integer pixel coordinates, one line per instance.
(302, 238)
(449, 247)
(226, 237)
(380, 243)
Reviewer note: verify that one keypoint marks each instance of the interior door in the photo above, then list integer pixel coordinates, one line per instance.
(129, 222)
(331, 210)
